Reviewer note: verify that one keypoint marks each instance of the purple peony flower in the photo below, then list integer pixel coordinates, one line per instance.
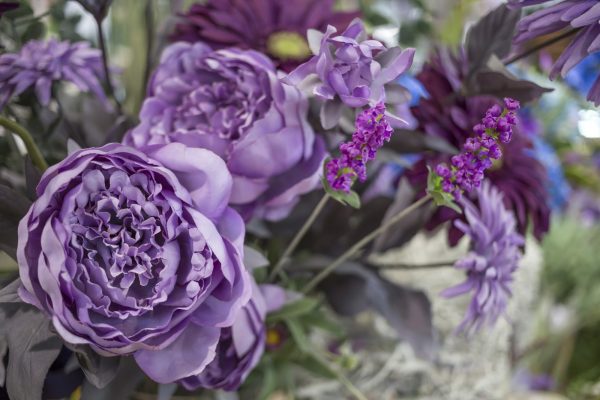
(351, 67)
(41, 63)
(493, 258)
(231, 102)
(241, 345)
(276, 28)
(372, 131)
(138, 256)
(451, 115)
(583, 15)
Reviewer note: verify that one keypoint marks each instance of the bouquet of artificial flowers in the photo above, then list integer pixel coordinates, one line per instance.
(203, 240)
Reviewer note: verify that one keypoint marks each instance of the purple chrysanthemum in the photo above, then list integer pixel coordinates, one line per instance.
(492, 260)
(40, 63)
(273, 27)
(583, 15)
(451, 115)
(372, 131)
(467, 169)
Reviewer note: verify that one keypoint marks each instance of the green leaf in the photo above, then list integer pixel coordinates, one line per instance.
(440, 198)
(269, 383)
(352, 199)
(294, 309)
(298, 334)
(315, 367)
(320, 320)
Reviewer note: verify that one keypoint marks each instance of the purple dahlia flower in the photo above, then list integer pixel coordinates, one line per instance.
(40, 63)
(449, 114)
(231, 102)
(494, 256)
(350, 67)
(273, 27)
(583, 15)
(241, 345)
(137, 256)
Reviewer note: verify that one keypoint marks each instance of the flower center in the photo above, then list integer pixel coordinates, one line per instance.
(288, 46)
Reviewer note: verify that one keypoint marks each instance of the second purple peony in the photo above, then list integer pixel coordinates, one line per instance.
(231, 102)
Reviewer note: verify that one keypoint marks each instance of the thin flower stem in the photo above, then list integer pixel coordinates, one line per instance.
(149, 25)
(32, 149)
(340, 376)
(540, 46)
(358, 246)
(109, 84)
(298, 238)
(439, 264)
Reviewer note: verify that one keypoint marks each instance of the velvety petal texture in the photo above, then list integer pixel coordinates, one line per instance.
(494, 256)
(273, 27)
(40, 63)
(231, 102)
(583, 15)
(127, 258)
(350, 67)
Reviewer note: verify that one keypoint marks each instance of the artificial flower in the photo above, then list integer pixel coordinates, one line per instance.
(232, 102)
(582, 15)
(128, 258)
(41, 63)
(493, 257)
(276, 28)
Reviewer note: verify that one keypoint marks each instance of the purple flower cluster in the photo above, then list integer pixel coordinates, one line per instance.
(493, 258)
(40, 63)
(372, 130)
(467, 169)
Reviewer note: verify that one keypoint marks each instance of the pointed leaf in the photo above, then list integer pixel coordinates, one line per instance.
(492, 34)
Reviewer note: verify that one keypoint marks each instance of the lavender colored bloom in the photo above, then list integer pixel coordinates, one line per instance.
(372, 131)
(493, 258)
(41, 63)
(467, 170)
(138, 256)
(231, 102)
(241, 345)
(351, 67)
(276, 28)
(583, 15)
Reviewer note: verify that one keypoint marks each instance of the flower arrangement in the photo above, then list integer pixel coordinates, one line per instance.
(211, 236)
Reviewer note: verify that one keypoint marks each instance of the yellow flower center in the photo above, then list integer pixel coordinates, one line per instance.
(288, 46)
(273, 337)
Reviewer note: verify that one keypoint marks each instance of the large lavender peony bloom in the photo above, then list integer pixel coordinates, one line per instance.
(242, 345)
(351, 67)
(449, 114)
(137, 255)
(493, 258)
(583, 15)
(231, 102)
(276, 28)
(41, 63)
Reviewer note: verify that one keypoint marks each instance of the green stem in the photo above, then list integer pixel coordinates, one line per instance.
(298, 238)
(32, 149)
(104, 50)
(540, 46)
(406, 266)
(352, 251)
(340, 376)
